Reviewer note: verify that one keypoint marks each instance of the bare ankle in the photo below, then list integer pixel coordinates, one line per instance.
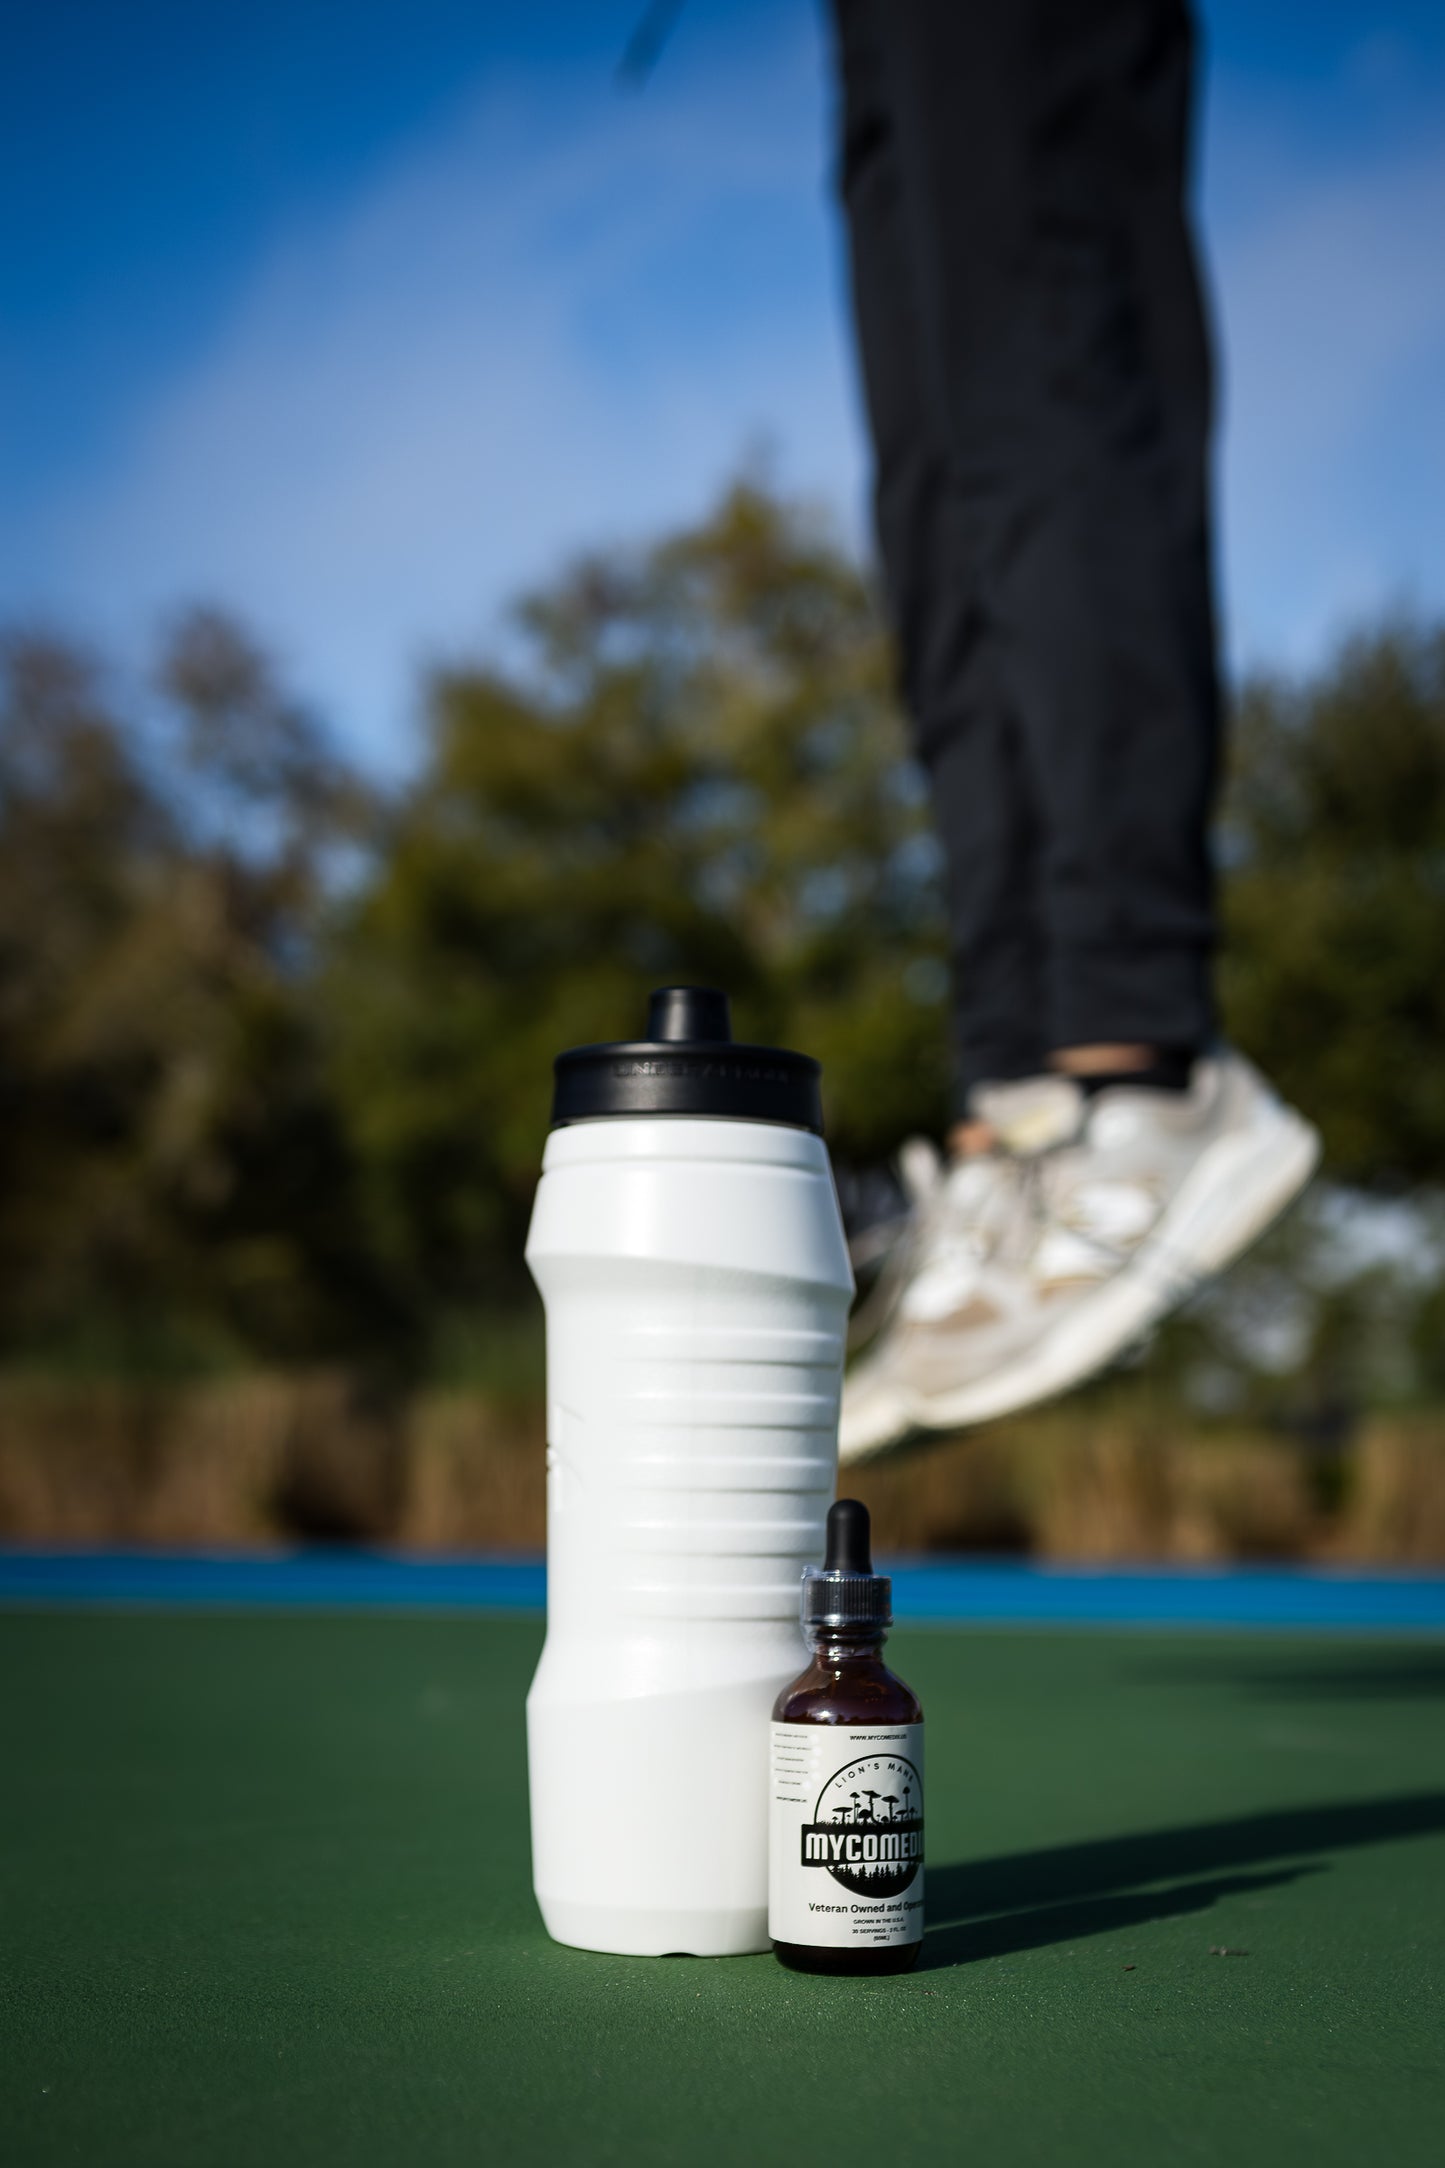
(968, 1140)
(1103, 1060)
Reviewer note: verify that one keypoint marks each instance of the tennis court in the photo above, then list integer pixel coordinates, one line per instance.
(266, 1900)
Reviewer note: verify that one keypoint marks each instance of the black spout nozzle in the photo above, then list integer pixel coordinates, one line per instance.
(850, 1547)
(688, 1012)
(688, 1064)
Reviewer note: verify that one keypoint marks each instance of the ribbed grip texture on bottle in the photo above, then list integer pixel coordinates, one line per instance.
(846, 1599)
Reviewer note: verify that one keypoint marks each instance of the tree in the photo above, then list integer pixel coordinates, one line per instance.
(275, 1051)
(172, 1166)
(1334, 956)
(696, 773)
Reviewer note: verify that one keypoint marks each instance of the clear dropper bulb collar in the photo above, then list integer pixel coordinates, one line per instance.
(844, 1595)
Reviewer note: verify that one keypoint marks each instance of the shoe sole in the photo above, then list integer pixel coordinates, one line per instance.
(1239, 1188)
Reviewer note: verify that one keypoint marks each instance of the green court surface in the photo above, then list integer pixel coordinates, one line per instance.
(266, 1900)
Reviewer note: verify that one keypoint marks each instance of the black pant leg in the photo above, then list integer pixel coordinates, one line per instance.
(952, 675)
(1038, 154)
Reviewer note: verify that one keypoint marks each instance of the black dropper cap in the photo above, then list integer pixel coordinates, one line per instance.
(688, 1064)
(844, 1592)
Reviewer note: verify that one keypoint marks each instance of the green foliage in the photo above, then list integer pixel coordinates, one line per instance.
(174, 1183)
(696, 774)
(275, 1052)
(1334, 959)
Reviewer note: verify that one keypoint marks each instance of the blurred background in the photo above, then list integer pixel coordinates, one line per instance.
(435, 607)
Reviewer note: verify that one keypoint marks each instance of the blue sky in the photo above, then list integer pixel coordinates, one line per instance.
(359, 318)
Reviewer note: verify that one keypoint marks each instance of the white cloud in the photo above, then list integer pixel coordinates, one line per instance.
(564, 317)
(513, 345)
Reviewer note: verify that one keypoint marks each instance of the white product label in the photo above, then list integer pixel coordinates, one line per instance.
(845, 1855)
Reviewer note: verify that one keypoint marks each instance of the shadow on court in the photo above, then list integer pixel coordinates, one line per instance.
(1029, 1900)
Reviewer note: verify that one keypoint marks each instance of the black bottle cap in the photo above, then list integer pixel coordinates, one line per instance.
(688, 1064)
(844, 1592)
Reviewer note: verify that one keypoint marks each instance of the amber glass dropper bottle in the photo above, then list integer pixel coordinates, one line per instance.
(845, 1891)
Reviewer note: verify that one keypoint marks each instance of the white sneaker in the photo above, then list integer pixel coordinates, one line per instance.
(952, 1215)
(1035, 1265)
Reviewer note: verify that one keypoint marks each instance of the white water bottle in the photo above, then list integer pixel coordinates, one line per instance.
(687, 1243)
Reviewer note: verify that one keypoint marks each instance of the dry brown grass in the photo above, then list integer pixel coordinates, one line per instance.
(1399, 1493)
(272, 1459)
(1085, 1485)
(111, 1463)
(477, 1477)
(266, 1459)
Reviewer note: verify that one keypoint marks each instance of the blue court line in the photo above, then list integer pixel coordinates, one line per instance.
(327, 1580)
(1300, 1597)
(928, 1591)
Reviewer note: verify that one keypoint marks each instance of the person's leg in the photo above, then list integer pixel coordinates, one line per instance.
(1142, 161)
(951, 667)
(1037, 156)
(1038, 385)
